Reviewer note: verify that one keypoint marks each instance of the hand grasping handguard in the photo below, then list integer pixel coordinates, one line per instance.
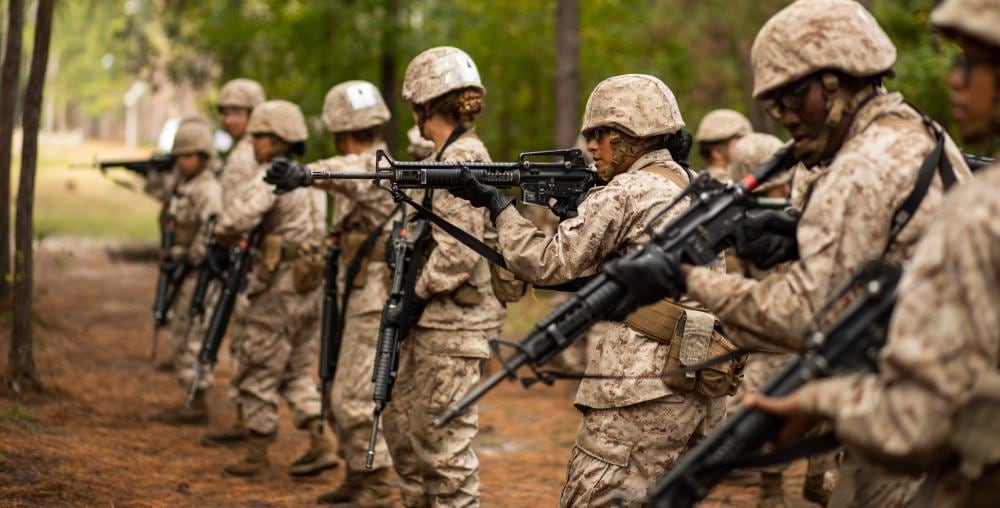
(287, 175)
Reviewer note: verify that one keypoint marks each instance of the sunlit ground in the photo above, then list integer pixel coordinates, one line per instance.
(83, 202)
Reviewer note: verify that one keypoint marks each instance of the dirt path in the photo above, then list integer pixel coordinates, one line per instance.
(95, 445)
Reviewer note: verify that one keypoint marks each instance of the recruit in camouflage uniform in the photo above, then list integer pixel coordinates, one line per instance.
(354, 112)
(847, 206)
(632, 429)
(196, 196)
(443, 356)
(716, 134)
(237, 98)
(277, 317)
(938, 388)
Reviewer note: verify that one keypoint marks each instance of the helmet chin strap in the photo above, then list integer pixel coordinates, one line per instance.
(622, 148)
(839, 103)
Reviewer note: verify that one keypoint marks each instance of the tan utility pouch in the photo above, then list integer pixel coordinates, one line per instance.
(696, 341)
(351, 248)
(974, 432)
(657, 321)
(470, 293)
(308, 267)
(269, 259)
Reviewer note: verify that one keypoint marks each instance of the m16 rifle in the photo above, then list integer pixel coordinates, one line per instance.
(235, 281)
(404, 256)
(850, 342)
(155, 164)
(332, 329)
(558, 185)
(170, 276)
(697, 236)
(211, 270)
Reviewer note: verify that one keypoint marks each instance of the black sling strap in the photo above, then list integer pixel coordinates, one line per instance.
(937, 160)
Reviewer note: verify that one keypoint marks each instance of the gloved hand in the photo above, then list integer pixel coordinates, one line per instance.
(649, 278)
(481, 196)
(287, 175)
(767, 238)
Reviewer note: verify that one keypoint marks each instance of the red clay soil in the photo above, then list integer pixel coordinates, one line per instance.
(91, 442)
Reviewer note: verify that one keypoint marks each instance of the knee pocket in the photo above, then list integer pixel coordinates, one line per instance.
(604, 447)
(450, 384)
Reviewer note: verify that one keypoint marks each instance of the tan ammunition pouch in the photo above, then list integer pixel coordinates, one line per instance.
(470, 293)
(693, 339)
(974, 435)
(351, 247)
(306, 258)
(308, 265)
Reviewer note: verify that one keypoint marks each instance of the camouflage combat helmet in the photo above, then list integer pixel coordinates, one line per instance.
(281, 118)
(979, 19)
(722, 124)
(193, 136)
(814, 35)
(354, 106)
(638, 105)
(749, 152)
(438, 71)
(241, 93)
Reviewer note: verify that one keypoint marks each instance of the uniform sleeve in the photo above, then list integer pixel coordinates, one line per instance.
(578, 244)
(943, 337)
(842, 225)
(242, 214)
(450, 263)
(208, 202)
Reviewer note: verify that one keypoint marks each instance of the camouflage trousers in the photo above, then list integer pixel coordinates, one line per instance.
(351, 395)
(436, 466)
(860, 483)
(621, 452)
(186, 335)
(275, 343)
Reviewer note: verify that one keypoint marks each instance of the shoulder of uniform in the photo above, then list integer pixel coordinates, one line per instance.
(468, 147)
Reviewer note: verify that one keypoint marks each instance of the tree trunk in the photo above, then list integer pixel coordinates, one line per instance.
(387, 64)
(22, 362)
(567, 72)
(9, 82)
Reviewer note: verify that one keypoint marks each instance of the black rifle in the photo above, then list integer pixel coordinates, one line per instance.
(849, 343)
(698, 235)
(235, 282)
(171, 274)
(557, 185)
(208, 272)
(404, 256)
(332, 329)
(155, 164)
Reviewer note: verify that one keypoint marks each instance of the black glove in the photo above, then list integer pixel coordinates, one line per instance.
(767, 238)
(481, 196)
(287, 175)
(649, 278)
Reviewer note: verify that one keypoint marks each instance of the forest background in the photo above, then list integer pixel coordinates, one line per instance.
(539, 60)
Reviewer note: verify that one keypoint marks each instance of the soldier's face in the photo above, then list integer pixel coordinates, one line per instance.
(802, 110)
(189, 164)
(599, 146)
(234, 121)
(973, 81)
(266, 147)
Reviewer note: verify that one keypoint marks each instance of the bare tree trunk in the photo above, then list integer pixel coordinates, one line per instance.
(22, 362)
(388, 67)
(567, 72)
(9, 82)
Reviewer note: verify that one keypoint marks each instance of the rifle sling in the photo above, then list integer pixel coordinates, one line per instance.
(355, 264)
(466, 239)
(937, 159)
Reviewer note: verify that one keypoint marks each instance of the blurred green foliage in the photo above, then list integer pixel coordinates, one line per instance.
(300, 48)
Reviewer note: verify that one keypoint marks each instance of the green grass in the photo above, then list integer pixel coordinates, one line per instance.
(83, 202)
